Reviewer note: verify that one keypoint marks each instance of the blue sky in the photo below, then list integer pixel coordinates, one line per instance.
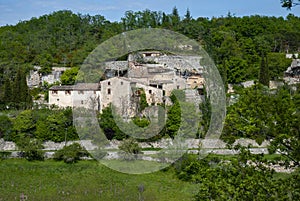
(12, 11)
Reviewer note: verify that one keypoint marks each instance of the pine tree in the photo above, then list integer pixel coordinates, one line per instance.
(20, 93)
(188, 16)
(264, 75)
(7, 92)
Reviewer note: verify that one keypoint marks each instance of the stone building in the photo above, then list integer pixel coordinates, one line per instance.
(123, 90)
(85, 95)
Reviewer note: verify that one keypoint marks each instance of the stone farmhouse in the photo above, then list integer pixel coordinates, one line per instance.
(151, 73)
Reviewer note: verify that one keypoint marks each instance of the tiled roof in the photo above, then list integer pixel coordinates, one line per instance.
(77, 87)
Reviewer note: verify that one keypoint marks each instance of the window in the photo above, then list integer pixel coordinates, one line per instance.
(57, 99)
(108, 91)
(121, 83)
(150, 91)
(177, 86)
(108, 83)
(54, 92)
(82, 102)
(68, 92)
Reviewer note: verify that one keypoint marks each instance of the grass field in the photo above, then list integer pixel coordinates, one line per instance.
(86, 180)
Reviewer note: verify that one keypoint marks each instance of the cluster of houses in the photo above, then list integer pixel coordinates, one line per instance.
(152, 73)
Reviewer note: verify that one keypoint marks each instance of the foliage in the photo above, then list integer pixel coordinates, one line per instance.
(143, 100)
(235, 43)
(16, 93)
(108, 124)
(43, 124)
(173, 120)
(260, 114)
(264, 76)
(70, 153)
(5, 127)
(243, 178)
(69, 76)
(289, 3)
(130, 146)
(205, 109)
(30, 149)
(177, 95)
(287, 140)
(141, 122)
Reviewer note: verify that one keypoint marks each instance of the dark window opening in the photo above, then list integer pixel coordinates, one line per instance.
(108, 91)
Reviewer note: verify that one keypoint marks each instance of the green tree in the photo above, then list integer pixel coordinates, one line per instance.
(71, 153)
(108, 125)
(205, 109)
(69, 76)
(24, 125)
(30, 148)
(130, 148)
(264, 75)
(289, 3)
(5, 128)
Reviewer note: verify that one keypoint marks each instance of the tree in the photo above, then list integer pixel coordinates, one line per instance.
(5, 128)
(30, 148)
(20, 91)
(24, 125)
(288, 128)
(205, 109)
(289, 3)
(108, 125)
(69, 76)
(71, 153)
(130, 148)
(8, 96)
(244, 177)
(264, 75)
(188, 16)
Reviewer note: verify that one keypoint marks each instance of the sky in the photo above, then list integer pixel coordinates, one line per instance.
(13, 11)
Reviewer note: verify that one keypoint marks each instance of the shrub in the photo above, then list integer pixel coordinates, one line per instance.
(71, 153)
(130, 149)
(30, 149)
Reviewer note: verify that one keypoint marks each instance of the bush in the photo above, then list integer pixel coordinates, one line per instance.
(30, 149)
(130, 149)
(4, 155)
(71, 153)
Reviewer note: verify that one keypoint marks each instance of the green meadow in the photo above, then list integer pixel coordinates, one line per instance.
(87, 180)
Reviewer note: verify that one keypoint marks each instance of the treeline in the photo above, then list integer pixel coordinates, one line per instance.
(16, 94)
(42, 124)
(235, 43)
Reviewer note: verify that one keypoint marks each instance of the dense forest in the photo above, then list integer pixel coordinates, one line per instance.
(235, 43)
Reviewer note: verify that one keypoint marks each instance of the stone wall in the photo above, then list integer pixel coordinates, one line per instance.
(191, 143)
